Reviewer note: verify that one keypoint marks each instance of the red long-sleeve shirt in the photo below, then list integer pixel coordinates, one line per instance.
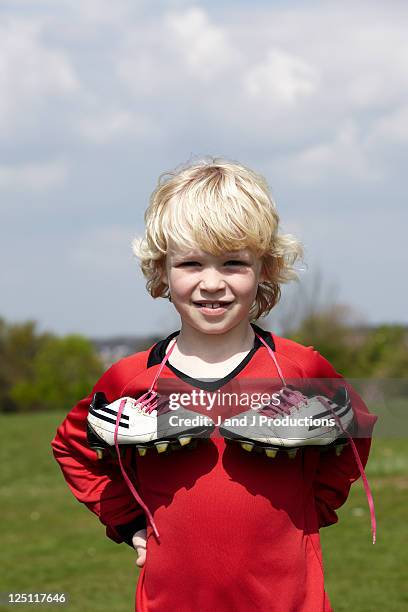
(237, 529)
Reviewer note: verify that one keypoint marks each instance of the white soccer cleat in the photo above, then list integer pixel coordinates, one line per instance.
(141, 427)
(298, 421)
(136, 425)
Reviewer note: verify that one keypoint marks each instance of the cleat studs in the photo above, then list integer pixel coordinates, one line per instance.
(142, 450)
(271, 452)
(292, 453)
(161, 447)
(99, 453)
(184, 440)
(248, 446)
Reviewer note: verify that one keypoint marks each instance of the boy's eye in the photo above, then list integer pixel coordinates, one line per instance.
(192, 264)
(189, 263)
(236, 262)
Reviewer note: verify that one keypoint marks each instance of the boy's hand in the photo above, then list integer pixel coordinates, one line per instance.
(139, 543)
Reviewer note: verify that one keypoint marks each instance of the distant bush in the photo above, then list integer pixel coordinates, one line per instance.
(384, 352)
(380, 351)
(40, 371)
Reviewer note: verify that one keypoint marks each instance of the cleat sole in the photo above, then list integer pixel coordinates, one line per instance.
(271, 451)
(185, 440)
(161, 447)
(248, 446)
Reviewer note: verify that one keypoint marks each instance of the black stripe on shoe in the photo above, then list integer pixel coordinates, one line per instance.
(321, 415)
(125, 417)
(107, 419)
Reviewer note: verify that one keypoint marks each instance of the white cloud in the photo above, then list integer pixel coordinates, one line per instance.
(105, 127)
(378, 62)
(252, 83)
(203, 46)
(31, 71)
(168, 54)
(281, 78)
(346, 156)
(32, 177)
(315, 87)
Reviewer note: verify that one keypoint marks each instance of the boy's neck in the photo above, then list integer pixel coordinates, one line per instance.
(215, 348)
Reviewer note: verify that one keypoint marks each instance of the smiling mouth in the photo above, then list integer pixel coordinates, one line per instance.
(212, 305)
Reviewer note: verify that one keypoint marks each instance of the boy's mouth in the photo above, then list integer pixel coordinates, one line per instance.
(209, 306)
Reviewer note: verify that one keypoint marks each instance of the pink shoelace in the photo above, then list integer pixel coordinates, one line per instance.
(289, 398)
(295, 398)
(149, 401)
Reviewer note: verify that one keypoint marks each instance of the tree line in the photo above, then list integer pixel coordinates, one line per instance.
(41, 371)
(355, 351)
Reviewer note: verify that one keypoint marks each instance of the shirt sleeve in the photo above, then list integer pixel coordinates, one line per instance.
(98, 484)
(336, 473)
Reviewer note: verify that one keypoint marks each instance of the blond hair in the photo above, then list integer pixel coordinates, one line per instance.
(219, 206)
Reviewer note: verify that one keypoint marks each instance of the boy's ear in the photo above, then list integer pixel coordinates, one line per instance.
(163, 276)
(262, 275)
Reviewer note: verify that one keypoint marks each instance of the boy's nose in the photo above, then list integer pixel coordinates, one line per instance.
(212, 280)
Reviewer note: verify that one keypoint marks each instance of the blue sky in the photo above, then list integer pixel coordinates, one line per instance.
(98, 98)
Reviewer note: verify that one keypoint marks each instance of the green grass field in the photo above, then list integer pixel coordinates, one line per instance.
(52, 543)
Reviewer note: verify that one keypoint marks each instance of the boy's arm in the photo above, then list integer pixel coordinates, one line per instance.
(335, 474)
(98, 484)
(334, 477)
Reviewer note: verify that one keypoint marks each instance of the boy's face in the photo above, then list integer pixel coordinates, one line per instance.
(196, 276)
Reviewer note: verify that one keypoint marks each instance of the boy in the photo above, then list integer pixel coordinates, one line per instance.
(237, 529)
